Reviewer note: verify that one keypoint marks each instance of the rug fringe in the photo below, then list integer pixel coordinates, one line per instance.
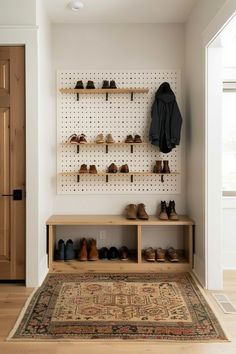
(210, 304)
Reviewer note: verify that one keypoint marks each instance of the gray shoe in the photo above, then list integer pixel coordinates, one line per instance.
(69, 251)
(60, 252)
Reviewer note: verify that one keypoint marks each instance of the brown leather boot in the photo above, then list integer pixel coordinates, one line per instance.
(83, 168)
(131, 212)
(92, 169)
(124, 169)
(83, 254)
(141, 212)
(112, 168)
(163, 214)
(158, 167)
(166, 168)
(171, 211)
(93, 252)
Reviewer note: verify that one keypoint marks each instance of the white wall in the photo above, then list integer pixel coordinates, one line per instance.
(229, 209)
(18, 13)
(203, 23)
(118, 46)
(45, 126)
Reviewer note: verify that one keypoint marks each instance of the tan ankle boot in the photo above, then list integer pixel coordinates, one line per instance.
(83, 254)
(93, 252)
(141, 212)
(158, 167)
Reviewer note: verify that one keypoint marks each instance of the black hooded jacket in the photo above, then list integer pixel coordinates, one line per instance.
(166, 120)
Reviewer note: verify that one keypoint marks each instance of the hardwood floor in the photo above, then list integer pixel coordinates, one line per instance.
(13, 297)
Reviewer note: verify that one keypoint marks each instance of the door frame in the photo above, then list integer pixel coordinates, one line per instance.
(27, 36)
(213, 191)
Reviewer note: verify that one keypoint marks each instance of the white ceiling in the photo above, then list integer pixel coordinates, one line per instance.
(121, 11)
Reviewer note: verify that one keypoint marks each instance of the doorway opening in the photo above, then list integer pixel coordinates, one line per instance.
(220, 153)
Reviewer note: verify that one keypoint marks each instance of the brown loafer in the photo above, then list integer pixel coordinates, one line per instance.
(137, 139)
(109, 139)
(93, 252)
(73, 139)
(83, 168)
(83, 254)
(149, 254)
(124, 169)
(141, 212)
(92, 169)
(129, 139)
(131, 212)
(160, 255)
(82, 139)
(100, 139)
(112, 168)
(172, 255)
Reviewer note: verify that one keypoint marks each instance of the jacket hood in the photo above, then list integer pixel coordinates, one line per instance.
(164, 93)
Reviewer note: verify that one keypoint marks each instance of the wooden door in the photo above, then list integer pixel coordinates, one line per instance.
(12, 163)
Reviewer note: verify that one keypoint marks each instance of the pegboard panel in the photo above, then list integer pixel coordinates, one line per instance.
(92, 115)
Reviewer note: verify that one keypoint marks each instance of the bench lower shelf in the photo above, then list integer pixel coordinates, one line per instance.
(136, 264)
(118, 266)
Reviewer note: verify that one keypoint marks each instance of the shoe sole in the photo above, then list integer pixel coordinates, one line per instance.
(150, 260)
(83, 172)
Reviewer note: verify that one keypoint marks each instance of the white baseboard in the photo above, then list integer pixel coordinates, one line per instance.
(43, 269)
(199, 270)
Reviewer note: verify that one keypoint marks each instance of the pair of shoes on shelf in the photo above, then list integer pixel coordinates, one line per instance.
(101, 140)
(161, 254)
(84, 169)
(77, 139)
(168, 212)
(158, 168)
(106, 84)
(80, 86)
(136, 211)
(113, 253)
(114, 169)
(65, 252)
(88, 250)
(90, 85)
(129, 139)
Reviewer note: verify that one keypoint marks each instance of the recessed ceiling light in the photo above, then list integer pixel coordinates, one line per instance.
(75, 5)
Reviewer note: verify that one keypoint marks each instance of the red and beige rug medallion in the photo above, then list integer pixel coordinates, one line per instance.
(167, 307)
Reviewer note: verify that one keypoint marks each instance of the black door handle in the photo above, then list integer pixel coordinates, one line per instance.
(17, 194)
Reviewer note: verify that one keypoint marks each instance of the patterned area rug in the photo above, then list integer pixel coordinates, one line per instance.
(119, 306)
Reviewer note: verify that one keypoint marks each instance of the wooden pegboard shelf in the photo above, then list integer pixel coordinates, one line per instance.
(102, 91)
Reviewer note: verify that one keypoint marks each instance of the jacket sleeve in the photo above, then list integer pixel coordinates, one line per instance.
(176, 124)
(154, 132)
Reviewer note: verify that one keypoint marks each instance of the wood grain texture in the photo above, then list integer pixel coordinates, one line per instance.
(133, 265)
(103, 91)
(12, 158)
(114, 220)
